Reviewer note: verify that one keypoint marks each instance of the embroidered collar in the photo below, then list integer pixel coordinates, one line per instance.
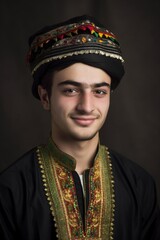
(60, 191)
(63, 158)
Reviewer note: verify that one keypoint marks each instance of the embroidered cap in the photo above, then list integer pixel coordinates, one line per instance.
(80, 39)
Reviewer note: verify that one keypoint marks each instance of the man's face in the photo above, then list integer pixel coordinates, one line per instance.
(79, 102)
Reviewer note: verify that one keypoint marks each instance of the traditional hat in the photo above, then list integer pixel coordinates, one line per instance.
(80, 39)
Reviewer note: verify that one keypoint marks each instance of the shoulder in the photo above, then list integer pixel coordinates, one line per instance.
(128, 167)
(135, 195)
(18, 182)
(134, 178)
(20, 169)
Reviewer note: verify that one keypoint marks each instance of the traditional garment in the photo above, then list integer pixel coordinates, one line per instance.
(41, 197)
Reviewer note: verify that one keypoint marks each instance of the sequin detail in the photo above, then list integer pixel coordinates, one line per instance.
(73, 39)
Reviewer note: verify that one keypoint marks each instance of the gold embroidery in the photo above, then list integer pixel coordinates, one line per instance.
(61, 195)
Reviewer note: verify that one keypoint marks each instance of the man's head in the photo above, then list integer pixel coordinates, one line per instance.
(75, 64)
(80, 39)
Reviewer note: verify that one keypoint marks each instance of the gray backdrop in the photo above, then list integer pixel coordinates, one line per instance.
(133, 124)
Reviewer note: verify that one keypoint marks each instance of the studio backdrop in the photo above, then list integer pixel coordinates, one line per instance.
(133, 124)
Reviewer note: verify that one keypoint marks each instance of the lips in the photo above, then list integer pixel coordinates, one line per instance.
(84, 121)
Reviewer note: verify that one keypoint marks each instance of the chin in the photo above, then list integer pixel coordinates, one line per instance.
(83, 137)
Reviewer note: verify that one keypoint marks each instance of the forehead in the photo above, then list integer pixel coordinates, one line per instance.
(81, 73)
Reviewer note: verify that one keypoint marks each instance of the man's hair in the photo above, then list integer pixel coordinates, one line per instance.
(46, 82)
(47, 79)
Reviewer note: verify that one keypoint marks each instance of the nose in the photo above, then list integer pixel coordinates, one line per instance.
(85, 103)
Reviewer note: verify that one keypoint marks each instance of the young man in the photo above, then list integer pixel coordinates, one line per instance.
(73, 187)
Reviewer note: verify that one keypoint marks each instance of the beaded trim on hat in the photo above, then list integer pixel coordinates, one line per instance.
(72, 39)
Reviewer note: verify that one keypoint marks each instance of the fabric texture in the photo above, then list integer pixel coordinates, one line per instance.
(25, 212)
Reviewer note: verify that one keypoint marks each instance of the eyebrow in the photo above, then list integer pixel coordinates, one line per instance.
(78, 84)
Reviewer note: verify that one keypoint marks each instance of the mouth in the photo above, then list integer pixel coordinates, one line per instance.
(84, 121)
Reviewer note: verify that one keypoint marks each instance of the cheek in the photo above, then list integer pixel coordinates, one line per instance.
(67, 104)
(104, 106)
(62, 106)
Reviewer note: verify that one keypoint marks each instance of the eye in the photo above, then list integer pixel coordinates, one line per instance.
(100, 92)
(70, 91)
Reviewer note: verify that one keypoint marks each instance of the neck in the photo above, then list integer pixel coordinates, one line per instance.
(82, 151)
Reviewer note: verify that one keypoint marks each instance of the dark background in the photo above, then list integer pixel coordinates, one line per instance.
(133, 124)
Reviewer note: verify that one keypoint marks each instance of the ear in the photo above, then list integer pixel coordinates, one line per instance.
(43, 95)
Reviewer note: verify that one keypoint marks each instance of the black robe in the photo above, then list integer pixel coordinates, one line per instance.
(25, 212)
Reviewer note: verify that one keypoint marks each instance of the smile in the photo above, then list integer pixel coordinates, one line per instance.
(84, 121)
